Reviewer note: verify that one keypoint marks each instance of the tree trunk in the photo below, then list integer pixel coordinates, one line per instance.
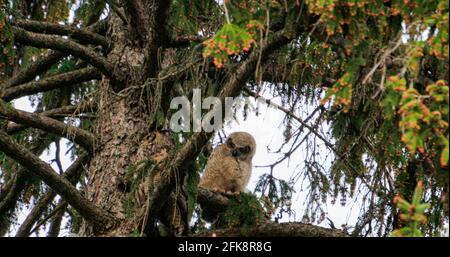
(126, 138)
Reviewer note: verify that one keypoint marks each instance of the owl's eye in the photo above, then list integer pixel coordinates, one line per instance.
(230, 143)
(244, 149)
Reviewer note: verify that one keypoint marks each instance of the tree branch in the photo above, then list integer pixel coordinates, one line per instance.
(212, 199)
(68, 110)
(61, 44)
(99, 218)
(9, 200)
(288, 229)
(81, 35)
(138, 17)
(72, 174)
(183, 41)
(34, 69)
(44, 63)
(55, 226)
(49, 83)
(219, 202)
(79, 136)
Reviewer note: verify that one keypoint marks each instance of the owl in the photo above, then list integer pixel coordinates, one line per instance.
(230, 165)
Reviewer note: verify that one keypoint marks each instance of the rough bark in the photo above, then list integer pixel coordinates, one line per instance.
(212, 199)
(126, 142)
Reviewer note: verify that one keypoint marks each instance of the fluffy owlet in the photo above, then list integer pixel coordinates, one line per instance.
(230, 165)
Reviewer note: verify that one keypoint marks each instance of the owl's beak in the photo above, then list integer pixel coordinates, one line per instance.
(235, 153)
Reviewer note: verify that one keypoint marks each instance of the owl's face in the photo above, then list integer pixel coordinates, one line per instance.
(241, 145)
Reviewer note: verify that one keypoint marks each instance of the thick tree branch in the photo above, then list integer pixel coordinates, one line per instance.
(157, 31)
(99, 218)
(36, 212)
(38, 67)
(45, 62)
(68, 110)
(14, 188)
(219, 202)
(72, 174)
(139, 19)
(212, 199)
(49, 83)
(81, 35)
(10, 195)
(67, 45)
(183, 41)
(9, 199)
(59, 208)
(288, 229)
(79, 136)
(212, 203)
